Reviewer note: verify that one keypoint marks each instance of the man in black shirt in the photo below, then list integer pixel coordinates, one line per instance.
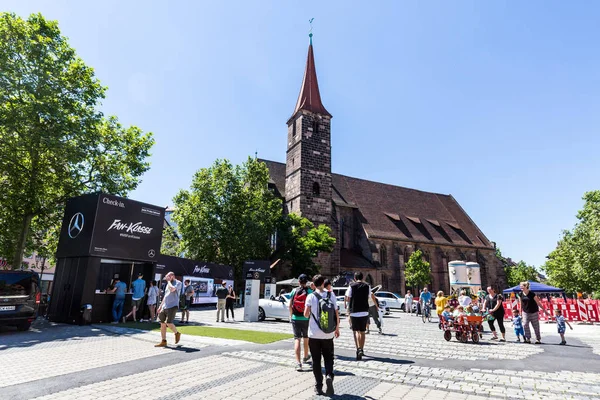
(359, 293)
(222, 293)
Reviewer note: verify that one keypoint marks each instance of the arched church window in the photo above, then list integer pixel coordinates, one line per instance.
(316, 190)
(383, 255)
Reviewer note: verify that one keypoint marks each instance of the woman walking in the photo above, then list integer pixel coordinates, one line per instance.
(229, 303)
(440, 303)
(408, 301)
(152, 300)
(493, 304)
(530, 308)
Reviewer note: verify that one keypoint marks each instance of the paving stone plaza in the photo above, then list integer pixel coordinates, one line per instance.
(410, 361)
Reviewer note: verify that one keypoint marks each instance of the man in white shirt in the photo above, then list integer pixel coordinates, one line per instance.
(319, 342)
(359, 293)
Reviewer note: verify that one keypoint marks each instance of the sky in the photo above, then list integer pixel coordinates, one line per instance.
(495, 103)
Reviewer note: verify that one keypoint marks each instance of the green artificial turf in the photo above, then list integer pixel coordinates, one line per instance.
(222, 333)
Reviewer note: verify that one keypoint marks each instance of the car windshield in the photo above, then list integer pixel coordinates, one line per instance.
(15, 284)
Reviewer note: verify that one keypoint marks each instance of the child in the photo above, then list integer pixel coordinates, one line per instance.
(560, 324)
(517, 323)
(460, 311)
(447, 315)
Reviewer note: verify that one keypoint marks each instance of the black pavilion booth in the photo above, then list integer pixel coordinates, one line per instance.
(102, 237)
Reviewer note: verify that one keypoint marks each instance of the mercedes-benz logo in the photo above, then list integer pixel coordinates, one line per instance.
(230, 273)
(151, 253)
(76, 225)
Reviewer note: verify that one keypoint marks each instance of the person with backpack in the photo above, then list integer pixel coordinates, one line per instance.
(299, 321)
(323, 327)
(359, 293)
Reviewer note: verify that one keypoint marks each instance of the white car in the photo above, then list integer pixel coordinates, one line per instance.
(392, 300)
(277, 307)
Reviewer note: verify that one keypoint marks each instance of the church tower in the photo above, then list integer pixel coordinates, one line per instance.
(308, 161)
(308, 184)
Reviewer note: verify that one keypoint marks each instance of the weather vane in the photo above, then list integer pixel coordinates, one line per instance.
(310, 21)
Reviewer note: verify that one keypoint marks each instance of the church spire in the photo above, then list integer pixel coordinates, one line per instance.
(310, 98)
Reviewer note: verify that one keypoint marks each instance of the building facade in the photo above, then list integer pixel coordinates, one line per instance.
(377, 226)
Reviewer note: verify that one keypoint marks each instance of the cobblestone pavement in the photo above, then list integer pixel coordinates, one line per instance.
(410, 361)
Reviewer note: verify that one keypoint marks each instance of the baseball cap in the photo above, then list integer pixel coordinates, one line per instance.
(303, 278)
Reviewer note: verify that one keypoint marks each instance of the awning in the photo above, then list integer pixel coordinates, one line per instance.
(535, 287)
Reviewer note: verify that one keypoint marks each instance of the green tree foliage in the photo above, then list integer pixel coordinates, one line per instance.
(417, 271)
(54, 142)
(575, 263)
(228, 214)
(171, 243)
(302, 241)
(517, 272)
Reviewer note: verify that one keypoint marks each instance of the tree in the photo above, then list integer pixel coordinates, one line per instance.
(575, 263)
(302, 241)
(228, 214)
(171, 243)
(54, 142)
(517, 272)
(417, 270)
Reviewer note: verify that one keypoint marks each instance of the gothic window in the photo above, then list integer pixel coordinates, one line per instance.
(316, 190)
(342, 233)
(383, 255)
(294, 129)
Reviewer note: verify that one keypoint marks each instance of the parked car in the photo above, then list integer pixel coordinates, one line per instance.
(19, 298)
(277, 307)
(392, 300)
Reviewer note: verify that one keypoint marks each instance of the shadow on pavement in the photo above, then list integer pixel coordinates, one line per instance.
(367, 357)
(44, 331)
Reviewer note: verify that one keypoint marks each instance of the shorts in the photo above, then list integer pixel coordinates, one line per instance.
(185, 304)
(137, 303)
(168, 315)
(300, 328)
(519, 331)
(359, 324)
(561, 330)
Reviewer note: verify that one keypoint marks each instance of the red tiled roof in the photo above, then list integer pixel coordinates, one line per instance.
(310, 98)
(398, 213)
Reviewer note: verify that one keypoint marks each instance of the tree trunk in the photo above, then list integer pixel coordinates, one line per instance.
(18, 258)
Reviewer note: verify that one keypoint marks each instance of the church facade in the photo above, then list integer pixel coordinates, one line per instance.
(377, 226)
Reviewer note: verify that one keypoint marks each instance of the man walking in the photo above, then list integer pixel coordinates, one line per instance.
(323, 326)
(374, 313)
(359, 293)
(188, 293)
(299, 321)
(408, 301)
(168, 309)
(119, 289)
(222, 301)
(139, 290)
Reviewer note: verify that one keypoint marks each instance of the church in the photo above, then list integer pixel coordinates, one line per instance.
(377, 226)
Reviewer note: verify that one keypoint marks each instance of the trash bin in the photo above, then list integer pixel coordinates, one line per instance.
(86, 314)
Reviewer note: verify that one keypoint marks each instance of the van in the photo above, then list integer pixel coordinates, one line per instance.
(19, 298)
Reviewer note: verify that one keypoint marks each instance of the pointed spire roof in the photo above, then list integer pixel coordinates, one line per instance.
(310, 98)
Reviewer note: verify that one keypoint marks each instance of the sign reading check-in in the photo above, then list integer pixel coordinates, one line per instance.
(110, 226)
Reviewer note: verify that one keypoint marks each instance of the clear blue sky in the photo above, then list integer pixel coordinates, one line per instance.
(496, 103)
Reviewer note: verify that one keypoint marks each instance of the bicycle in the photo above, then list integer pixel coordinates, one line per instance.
(426, 313)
